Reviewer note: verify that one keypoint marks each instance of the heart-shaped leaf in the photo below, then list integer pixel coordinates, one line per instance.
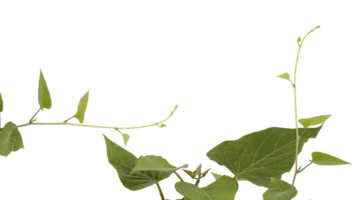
(306, 122)
(320, 158)
(124, 162)
(284, 76)
(223, 189)
(154, 163)
(44, 98)
(258, 156)
(279, 190)
(10, 139)
(1, 104)
(82, 107)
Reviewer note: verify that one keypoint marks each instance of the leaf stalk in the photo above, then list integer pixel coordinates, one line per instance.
(160, 191)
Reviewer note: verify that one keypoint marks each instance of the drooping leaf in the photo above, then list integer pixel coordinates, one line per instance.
(44, 98)
(126, 138)
(197, 171)
(223, 189)
(320, 158)
(10, 139)
(154, 163)
(299, 39)
(279, 190)
(124, 161)
(285, 76)
(258, 156)
(1, 104)
(306, 122)
(82, 107)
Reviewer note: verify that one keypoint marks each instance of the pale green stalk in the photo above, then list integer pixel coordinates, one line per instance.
(295, 108)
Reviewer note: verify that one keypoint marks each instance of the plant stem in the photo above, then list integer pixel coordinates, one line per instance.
(198, 181)
(295, 108)
(309, 163)
(180, 178)
(303, 132)
(69, 118)
(34, 115)
(160, 191)
(296, 117)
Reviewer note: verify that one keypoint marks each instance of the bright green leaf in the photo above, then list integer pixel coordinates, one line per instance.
(82, 106)
(126, 138)
(124, 162)
(306, 122)
(299, 40)
(223, 189)
(197, 171)
(320, 158)
(284, 75)
(154, 163)
(1, 103)
(44, 98)
(10, 139)
(279, 190)
(258, 156)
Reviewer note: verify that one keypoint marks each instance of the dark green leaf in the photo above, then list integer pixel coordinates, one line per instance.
(10, 139)
(279, 190)
(204, 174)
(190, 173)
(223, 189)
(124, 162)
(154, 163)
(1, 103)
(285, 76)
(258, 156)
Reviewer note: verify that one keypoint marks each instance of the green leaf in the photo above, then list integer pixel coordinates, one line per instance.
(154, 163)
(190, 174)
(216, 176)
(1, 104)
(10, 139)
(279, 190)
(126, 138)
(197, 171)
(258, 156)
(82, 106)
(320, 158)
(284, 75)
(306, 122)
(124, 162)
(223, 189)
(299, 40)
(44, 98)
(204, 174)
(201, 167)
